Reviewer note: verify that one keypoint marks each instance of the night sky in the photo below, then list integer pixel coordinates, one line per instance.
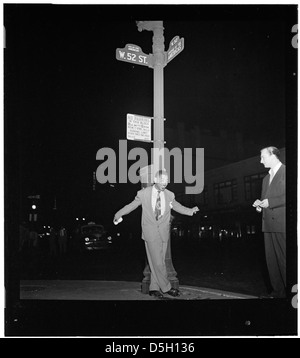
(66, 95)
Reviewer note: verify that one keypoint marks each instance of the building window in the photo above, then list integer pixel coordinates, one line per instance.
(202, 199)
(226, 192)
(253, 184)
(251, 229)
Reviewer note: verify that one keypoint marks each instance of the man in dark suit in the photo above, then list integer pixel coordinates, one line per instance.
(272, 205)
(157, 203)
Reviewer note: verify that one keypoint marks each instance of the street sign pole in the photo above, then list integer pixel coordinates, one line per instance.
(158, 80)
(133, 54)
(158, 137)
(158, 96)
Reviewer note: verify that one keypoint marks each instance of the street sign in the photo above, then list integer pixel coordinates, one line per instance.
(133, 54)
(175, 47)
(33, 196)
(138, 127)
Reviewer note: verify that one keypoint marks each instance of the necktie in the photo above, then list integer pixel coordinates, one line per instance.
(157, 210)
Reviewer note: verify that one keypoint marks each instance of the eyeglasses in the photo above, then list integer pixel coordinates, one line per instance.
(163, 181)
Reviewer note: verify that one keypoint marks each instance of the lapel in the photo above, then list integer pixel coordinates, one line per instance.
(167, 199)
(266, 185)
(167, 204)
(149, 201)
(270, 188)
(276, 176)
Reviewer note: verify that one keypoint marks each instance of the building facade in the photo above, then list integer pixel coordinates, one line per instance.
(226, 202)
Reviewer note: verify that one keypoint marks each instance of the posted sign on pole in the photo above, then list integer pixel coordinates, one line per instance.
(138, 127)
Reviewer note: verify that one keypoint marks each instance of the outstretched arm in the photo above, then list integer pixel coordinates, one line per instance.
(128, 208)
(183, 209)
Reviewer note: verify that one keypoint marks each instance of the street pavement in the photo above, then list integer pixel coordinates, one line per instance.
(112, 290)
(100, 308)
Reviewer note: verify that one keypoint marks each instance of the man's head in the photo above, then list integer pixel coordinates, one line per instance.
(161, 180)
(269, 156)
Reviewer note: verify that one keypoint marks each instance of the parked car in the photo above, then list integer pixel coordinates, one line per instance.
(95, 237)
(44, 232)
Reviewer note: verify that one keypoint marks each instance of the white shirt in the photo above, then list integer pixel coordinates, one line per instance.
(273, 171)
(162, 199)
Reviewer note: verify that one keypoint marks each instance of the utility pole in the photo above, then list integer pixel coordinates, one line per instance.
(158, 48)
(158, 60)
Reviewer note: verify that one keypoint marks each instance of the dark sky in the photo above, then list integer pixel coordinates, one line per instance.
(66, 95)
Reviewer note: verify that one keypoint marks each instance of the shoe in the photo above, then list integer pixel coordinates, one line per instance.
(268, 295)
(277, 294)
(173, 292)
(156, 294)
(273, 294)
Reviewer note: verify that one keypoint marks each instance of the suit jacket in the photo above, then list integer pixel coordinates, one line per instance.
(153, 229)
(273, 219)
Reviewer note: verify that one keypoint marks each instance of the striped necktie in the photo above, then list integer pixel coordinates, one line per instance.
(157, 210)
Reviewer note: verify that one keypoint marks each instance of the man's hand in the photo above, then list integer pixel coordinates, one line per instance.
(264, 203)
(257, 203)
(195, 209)
(117, 220)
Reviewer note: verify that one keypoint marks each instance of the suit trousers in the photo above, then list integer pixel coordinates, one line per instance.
(156, 253)
(275, 250)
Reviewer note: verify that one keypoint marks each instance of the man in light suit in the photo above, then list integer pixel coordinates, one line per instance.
(272, 205)
(157, 202)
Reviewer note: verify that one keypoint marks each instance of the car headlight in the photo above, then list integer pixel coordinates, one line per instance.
(86, 239)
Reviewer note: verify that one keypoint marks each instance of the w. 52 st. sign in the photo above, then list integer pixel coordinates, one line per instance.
(133, 54)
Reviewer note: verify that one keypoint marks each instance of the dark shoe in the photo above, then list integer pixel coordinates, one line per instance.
(278, 294)
(268, 295)
(273, 294)
(173, 292)
(156, 294)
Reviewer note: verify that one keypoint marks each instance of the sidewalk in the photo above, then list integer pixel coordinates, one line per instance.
(111, 290)
(92, 308)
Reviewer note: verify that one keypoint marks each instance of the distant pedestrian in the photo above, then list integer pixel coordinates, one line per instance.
(23, 236)
(53, 242)
(62, 240)
(75, 243)
(33, 238)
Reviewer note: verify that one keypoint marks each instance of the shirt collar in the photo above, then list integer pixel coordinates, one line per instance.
(275, 169)
(155, 191)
